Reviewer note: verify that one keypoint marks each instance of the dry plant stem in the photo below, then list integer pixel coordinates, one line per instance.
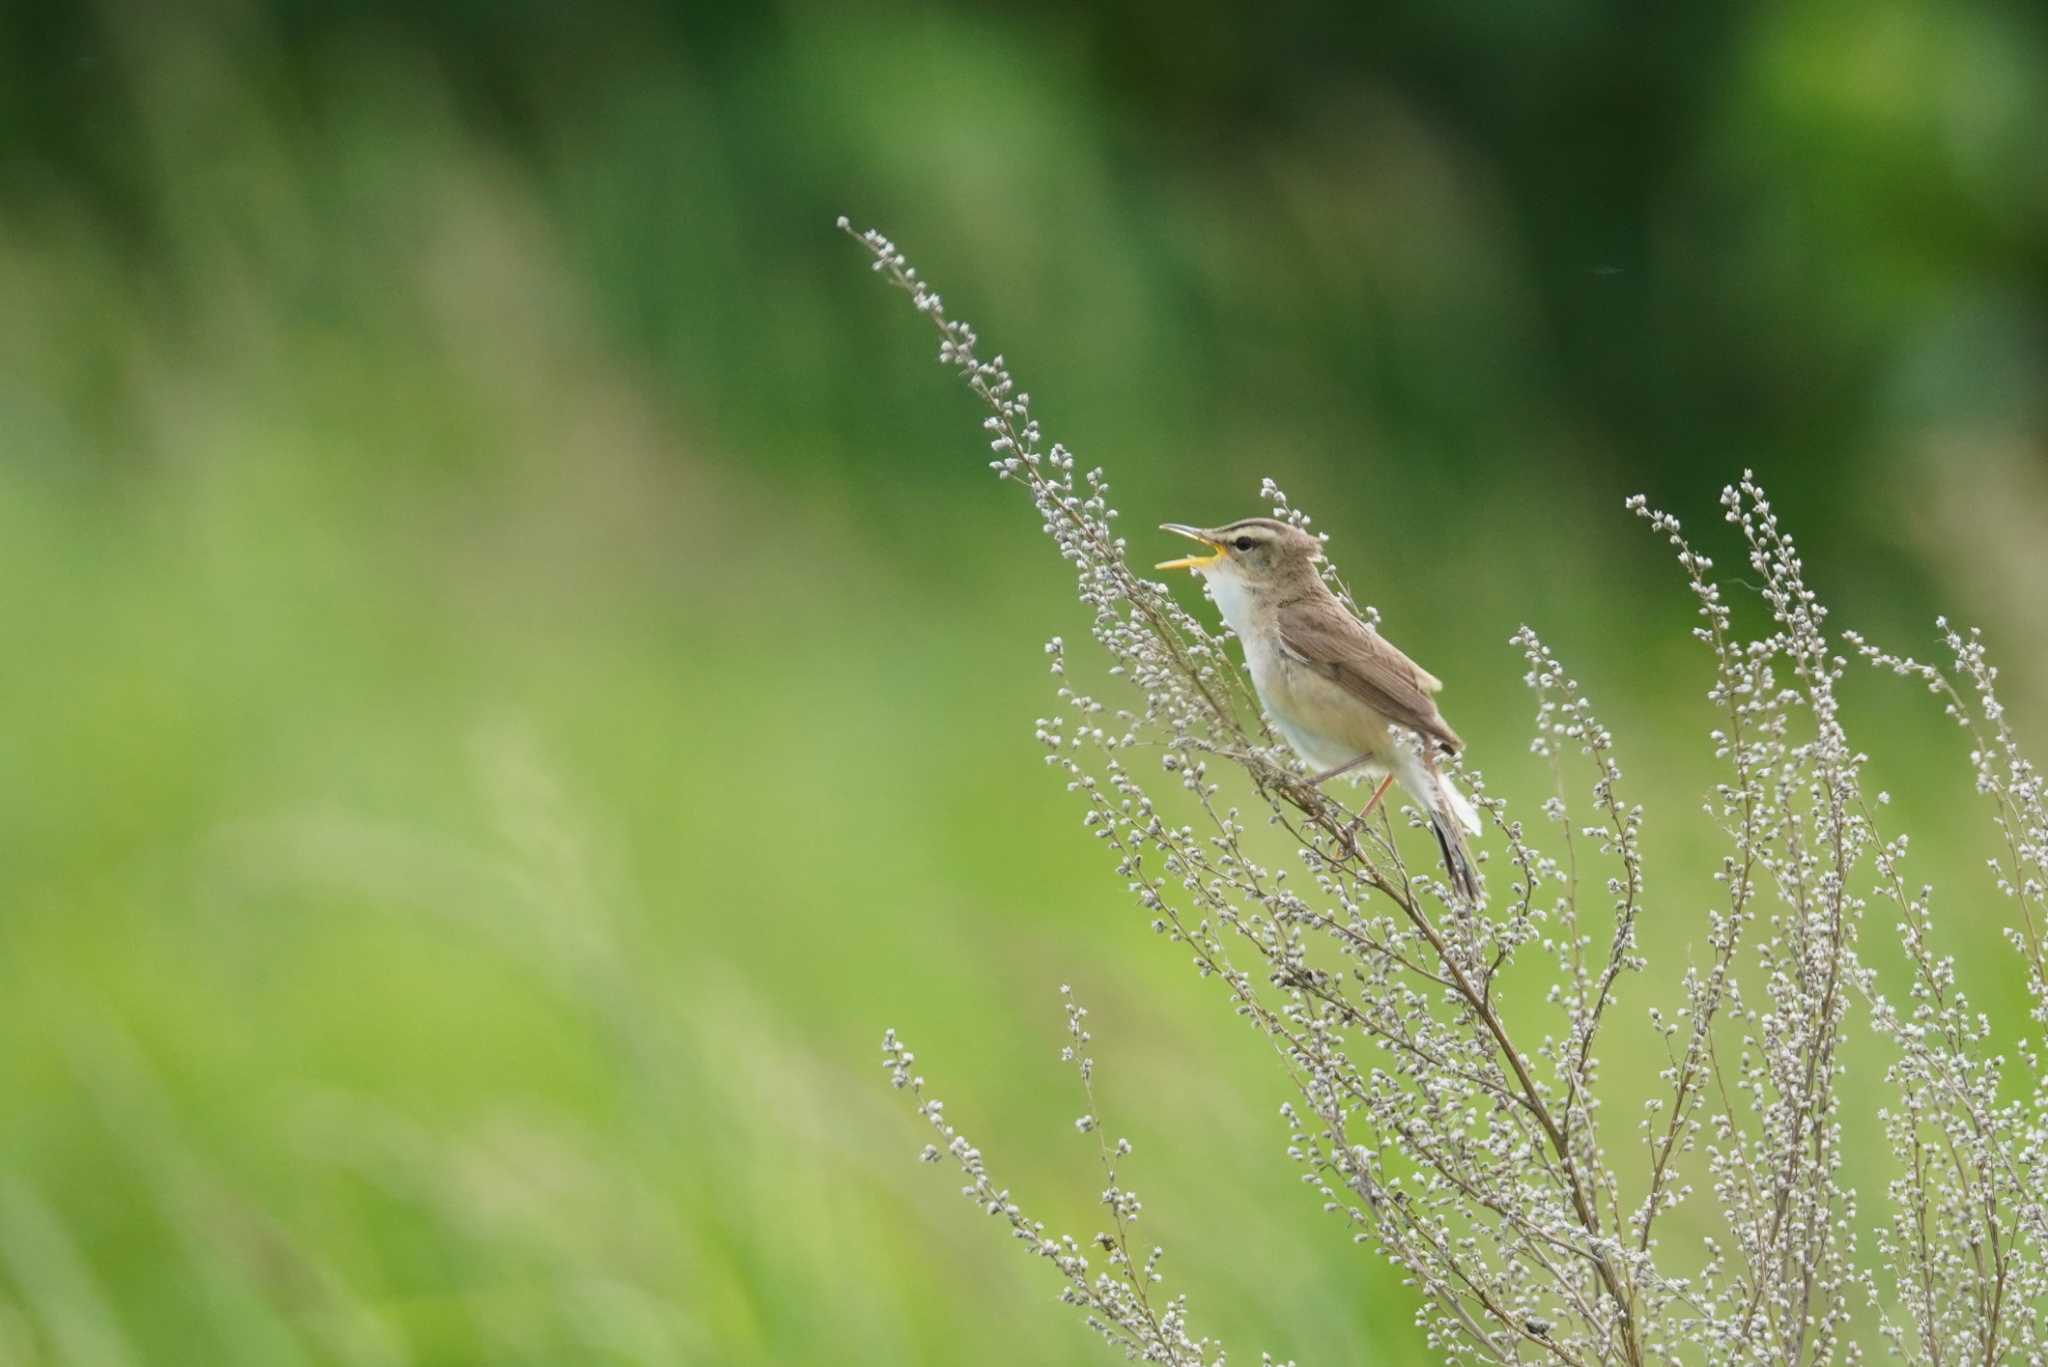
(1007, 413)
(1581, 1198)
(1971, 1127)
(1477, 1001)
(1523, 1086)
(1016, 438)
(1478, 1167)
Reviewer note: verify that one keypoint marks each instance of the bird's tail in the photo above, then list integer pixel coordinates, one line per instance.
(1450, 838)
(1460, 805)
(1451, 817)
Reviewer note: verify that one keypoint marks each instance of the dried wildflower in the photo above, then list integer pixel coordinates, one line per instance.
(1120, 1303)
(1479, 1164)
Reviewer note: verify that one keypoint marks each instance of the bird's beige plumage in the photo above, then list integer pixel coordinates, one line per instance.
(1332, 685)
(1365, 664)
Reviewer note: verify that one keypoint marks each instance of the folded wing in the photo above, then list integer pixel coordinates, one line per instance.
(1368, 666)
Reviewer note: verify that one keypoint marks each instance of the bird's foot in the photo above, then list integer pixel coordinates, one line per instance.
(1357, 823)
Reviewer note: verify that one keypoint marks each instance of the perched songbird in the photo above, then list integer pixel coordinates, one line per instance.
(1332, 685)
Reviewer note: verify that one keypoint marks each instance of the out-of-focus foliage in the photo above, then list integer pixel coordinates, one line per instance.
(517, 670)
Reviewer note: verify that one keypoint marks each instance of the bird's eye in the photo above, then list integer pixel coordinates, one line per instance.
(1244, 543)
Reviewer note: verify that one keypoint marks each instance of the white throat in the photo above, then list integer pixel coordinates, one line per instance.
(1232, 595)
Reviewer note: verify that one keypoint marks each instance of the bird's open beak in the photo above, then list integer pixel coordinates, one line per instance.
(1190, 562)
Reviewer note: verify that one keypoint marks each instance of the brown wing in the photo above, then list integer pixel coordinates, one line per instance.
(1338, 646)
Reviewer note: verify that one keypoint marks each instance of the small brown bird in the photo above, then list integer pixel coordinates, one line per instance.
(1331, 684)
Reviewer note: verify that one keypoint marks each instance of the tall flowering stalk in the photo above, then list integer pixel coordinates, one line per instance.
(1477, 1158)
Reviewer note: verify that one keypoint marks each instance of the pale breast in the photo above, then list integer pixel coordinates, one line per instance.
(1324, 723)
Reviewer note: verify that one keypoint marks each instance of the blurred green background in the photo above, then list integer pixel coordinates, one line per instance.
(518, 673)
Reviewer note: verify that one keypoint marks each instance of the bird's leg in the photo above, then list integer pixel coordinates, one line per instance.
(1373, 802)
(1365, 813)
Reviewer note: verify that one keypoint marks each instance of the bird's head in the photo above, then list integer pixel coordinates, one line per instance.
(1256, 550)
